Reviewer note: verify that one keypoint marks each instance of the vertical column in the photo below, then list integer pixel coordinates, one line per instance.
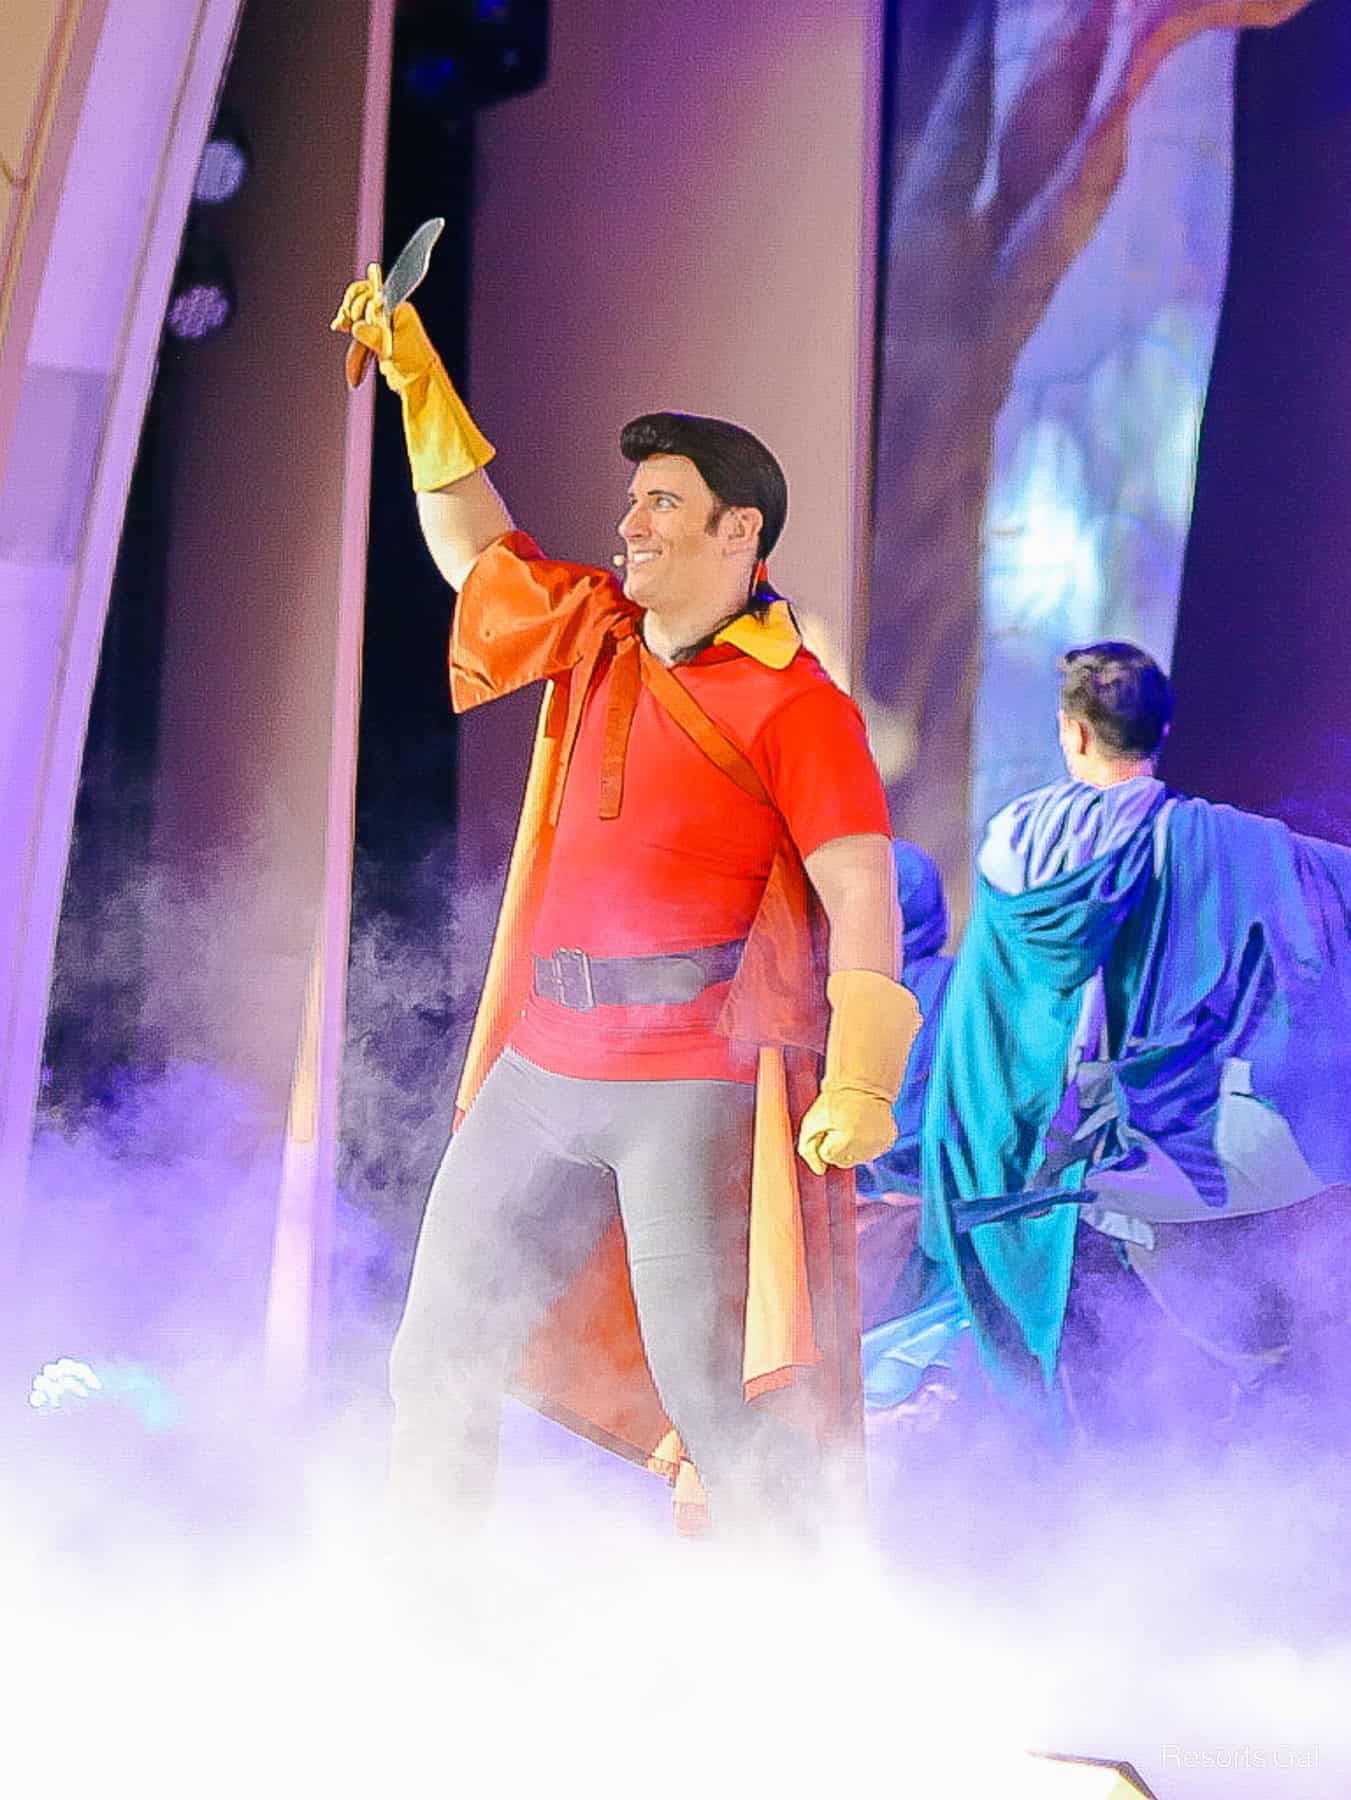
(108, 149)
(265, 589)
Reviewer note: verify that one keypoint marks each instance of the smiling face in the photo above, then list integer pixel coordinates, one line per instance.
(684, 549)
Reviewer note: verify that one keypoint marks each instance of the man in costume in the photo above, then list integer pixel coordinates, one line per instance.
(1137, 1079)
(620, 1228)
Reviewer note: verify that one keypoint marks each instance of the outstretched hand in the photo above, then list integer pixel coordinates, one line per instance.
(363, 315)
(444, 444)
(396, 340)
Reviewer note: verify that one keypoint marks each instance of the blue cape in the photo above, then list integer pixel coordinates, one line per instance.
(1218, 935)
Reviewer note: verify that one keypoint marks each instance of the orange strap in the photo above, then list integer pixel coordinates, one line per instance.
(634, 664)
(580, 679)
(625, 683)
(687, 713)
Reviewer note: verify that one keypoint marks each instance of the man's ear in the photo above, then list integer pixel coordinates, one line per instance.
(741, 526)
(1075, 736)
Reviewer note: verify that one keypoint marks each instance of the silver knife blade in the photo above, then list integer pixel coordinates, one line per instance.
(410, 265)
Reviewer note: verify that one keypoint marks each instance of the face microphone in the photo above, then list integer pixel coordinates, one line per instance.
(619, 561)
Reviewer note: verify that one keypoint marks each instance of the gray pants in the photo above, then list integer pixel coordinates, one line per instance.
(527, 1187)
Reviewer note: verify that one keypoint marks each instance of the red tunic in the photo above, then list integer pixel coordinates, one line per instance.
(685, 863)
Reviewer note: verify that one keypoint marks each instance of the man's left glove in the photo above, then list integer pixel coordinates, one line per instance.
(873, 1023)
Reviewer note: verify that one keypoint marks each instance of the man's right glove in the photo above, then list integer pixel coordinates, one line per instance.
(873, 1023)
(444, 444)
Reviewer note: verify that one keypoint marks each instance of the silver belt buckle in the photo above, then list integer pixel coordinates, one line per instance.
(572, 976)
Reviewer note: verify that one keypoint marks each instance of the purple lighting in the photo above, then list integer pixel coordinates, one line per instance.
(199, 311)
(221, 172)
(225, 162)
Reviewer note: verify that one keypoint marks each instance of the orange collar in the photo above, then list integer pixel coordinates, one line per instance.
(772, 640)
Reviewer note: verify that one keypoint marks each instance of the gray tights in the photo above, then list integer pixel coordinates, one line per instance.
(524, 1192)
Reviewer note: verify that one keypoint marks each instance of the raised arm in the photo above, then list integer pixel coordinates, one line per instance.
(460, 521)
(459, 509)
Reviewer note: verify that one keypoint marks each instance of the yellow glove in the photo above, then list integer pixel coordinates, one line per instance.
(873, 1023)
(444, 444)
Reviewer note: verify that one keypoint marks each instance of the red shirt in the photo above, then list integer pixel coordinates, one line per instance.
(685, 863)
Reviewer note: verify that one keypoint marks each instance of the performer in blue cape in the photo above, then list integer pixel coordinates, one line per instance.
(1146, 1030)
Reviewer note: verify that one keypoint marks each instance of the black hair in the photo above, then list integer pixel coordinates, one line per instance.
(1121, 693)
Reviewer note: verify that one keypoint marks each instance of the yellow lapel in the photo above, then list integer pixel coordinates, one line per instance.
(772, 640)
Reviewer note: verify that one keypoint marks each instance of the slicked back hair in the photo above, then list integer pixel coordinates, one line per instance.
(1121, 693)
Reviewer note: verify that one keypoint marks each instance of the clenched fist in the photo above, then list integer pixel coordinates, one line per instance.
(444, 444)
(399, 344)
(873, 1023)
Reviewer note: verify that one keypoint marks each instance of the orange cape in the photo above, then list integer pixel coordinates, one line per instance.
(521, 619)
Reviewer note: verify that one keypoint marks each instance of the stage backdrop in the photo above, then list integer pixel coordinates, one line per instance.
(683, 215)
(1056, 236)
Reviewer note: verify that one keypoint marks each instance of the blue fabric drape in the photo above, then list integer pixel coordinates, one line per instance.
(1234, 942)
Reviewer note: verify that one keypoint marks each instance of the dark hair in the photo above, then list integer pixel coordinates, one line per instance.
(735, 464)
(1121, 693)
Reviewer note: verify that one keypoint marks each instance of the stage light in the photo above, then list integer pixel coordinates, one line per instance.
(225, 162)
(457, 59)
(70, 1385)
(57, 1383)
(202, 299)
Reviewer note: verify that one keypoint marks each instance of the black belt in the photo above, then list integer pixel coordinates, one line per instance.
(573, 979)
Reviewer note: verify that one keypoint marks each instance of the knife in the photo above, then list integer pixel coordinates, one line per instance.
(410, 265)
